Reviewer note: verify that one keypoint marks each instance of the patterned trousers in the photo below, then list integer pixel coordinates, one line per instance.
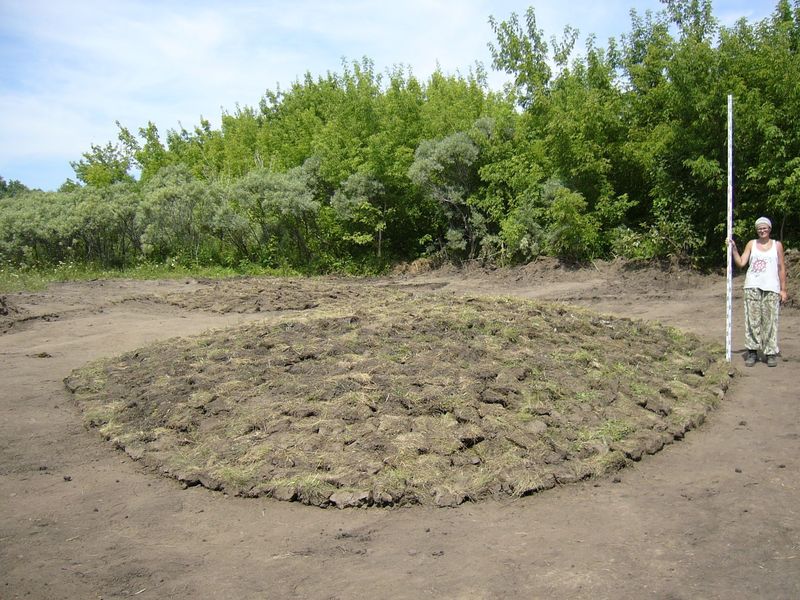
(761, 311)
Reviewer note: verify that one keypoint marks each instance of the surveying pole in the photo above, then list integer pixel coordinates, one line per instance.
(729, 325)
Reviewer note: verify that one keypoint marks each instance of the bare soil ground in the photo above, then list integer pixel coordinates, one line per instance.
(714, 515)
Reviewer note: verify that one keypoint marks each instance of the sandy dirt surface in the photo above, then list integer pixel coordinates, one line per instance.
(716, 515)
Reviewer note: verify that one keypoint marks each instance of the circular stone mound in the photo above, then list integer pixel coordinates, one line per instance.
(432, 400)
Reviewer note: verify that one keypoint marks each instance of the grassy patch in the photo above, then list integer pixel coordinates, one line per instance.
(33, 279)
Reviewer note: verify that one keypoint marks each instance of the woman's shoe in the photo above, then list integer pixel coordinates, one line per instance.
(751, 358)
(772, 360)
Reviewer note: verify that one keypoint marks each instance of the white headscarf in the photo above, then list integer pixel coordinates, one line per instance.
(763, 221)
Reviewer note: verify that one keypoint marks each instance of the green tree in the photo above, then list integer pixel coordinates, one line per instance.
(447, 171)
(452, 103)
(151, 156)
(572, 232)
(766, 108)
(585, 133)
(360, 205)
(34, 228)
(240, 142)
(521, 51)
(101, 225)
(103, 165)
(11, 188)
(175, 215)
(201, 150)
(281, 210)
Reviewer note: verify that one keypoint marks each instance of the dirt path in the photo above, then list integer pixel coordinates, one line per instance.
(715, 516)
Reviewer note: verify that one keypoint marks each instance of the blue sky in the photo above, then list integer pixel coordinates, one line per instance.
(69, 69)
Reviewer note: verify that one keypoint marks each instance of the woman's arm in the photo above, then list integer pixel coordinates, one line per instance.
(740, 259)
(782, 272)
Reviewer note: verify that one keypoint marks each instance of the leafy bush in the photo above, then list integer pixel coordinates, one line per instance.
(572, 233)
(522, 233)
(632, 245)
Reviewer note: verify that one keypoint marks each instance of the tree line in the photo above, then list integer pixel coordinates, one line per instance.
(617, 151)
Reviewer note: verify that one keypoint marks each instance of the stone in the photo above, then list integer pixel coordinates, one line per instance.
(284, 492)
(447, 498)
(350, 499)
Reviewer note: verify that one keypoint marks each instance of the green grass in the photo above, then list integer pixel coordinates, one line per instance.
(33, 279)
(613, 430)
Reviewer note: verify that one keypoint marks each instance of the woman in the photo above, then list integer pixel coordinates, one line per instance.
(764, 292)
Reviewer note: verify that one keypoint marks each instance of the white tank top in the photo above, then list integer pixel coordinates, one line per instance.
(763, 270)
